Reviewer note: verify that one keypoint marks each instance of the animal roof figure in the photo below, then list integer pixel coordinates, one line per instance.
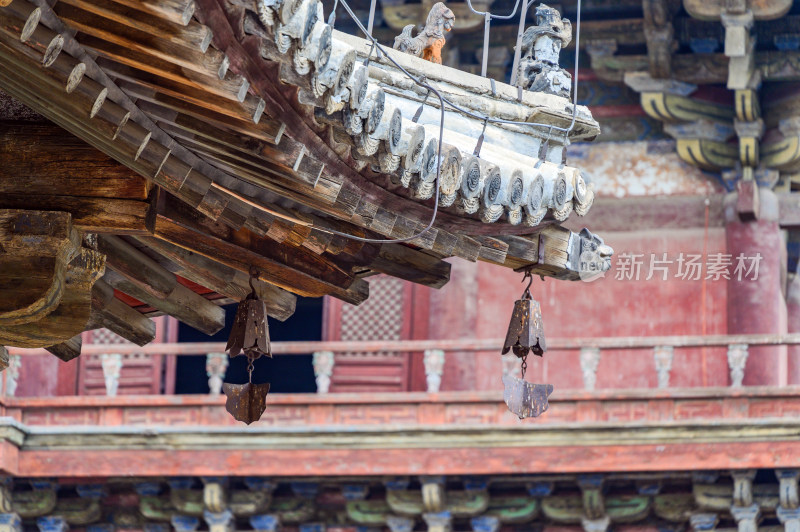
(541, 47)
(550, 24)
(429, 42)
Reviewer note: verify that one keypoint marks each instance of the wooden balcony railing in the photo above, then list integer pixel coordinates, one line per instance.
(435, 355)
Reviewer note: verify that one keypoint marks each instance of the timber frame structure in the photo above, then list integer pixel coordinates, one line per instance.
(246, 133)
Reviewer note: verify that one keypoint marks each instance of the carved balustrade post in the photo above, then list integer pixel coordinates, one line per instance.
(219, 521)
(434, 368)
(265, 523)
(704, 522)
(399, 524)
(323, 362)
(52, 523)
(13, 365)
(788, 511)
(185, 523)
(439, 521)
(663, 355)
(590, 359)
(216, 367)
(511, 365)
(485, 524)
(737, 359)
(112, 368)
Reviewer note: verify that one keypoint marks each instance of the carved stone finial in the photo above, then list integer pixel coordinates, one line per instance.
(663, 356)
(12, 374)
(434, 367)
(590, 359)
(112, 368)
(511, 366)
(323, 362)
(429, 42)
(216, 366)
(541, 47)
(737, 359)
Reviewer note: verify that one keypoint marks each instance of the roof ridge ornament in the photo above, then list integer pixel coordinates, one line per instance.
(541, 44)
(429, 42)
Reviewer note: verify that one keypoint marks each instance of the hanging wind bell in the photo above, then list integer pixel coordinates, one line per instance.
(246, 402)
(250, 331)
(525, 332)
(525, 335)
(250, 337)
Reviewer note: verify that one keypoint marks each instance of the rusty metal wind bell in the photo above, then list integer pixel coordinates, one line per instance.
(525, 335)
(250, 337)
(246, 402)
(525, 332)
(250, 331)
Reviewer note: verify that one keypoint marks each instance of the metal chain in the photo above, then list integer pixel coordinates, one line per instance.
(250, 367)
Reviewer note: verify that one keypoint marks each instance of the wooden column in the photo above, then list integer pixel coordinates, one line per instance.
(793, 326)
(453, 314)
(757, 305)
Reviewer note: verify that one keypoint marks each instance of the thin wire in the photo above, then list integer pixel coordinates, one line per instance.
(442, 102)
(375, 44)
(471, 113)
(496, 17)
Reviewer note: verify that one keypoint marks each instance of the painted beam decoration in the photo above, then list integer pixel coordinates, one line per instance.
(675, 499)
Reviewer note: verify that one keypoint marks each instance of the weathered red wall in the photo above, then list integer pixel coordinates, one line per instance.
(479, 298)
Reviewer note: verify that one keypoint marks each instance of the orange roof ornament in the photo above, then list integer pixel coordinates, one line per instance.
(429, 42)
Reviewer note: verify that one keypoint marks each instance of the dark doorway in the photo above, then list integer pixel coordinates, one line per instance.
(285, 373)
